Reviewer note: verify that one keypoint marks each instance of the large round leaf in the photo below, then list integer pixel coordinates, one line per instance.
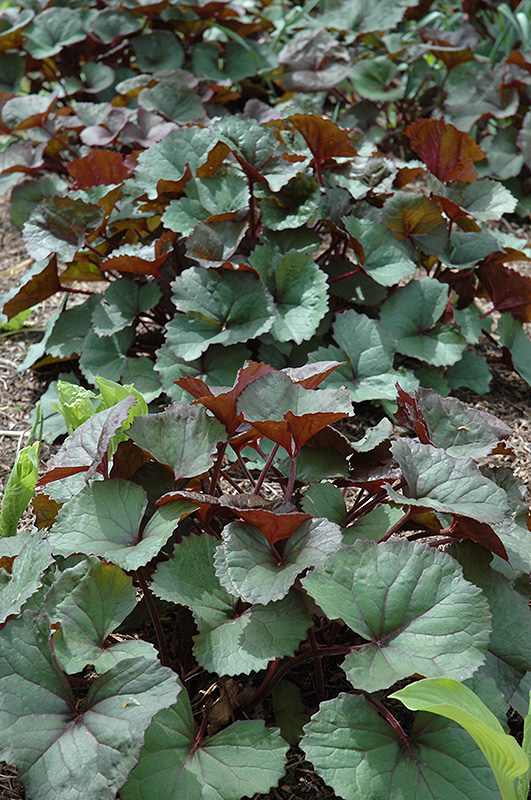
(247, 565)
(89, 753)
(230, 642)
(184, 438)
(222, 307)
(104, 520)
(243, 759)
(413, 606)
(361, 756)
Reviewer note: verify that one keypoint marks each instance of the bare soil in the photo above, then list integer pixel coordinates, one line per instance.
(509, 399)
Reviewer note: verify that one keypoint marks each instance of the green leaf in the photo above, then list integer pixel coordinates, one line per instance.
(484, 199)
(454, 701)
(466, 248)
(248, 566)
(166, 162)
(90, 600)
(75, 404)
(229, 642)
(411, 316)
(28, 194)
(41, 730)
(173, 101)
(290, 714)
(369, 351)
(441, 627)
(299, 289)
(365, 18)
(25, 575)
(121, 303)
(325, 500)
(375, 78)
(471, 371)
(373, 525)
(513, 336)
(213, 243)
(315, 464)
(460, 429)
(416, 221)
(53, 422)
(53, 29)
(112, 393)
(182, 215)
(224, 193)
(217, 367)
(503, 155)
(110, 24)
(12, 68)
(104, 520)
(358, 754)
(87, 448)
(184, 438)
(104, 356)
(385, 259)
(293, 206)
(140, 373)
(219, 306)
(510, 642)
(60, 225)
(247, 642)
(451, 485)
(19, 488)
(158, 51)
(288, 413)
(243, 759)
(66, 337)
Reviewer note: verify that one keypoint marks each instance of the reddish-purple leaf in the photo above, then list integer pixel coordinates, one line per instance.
(275, 520)
(414, 217)
(127, 459)
(37, 288)
(312, 375)
(480, 532)
(287, 413)
(326, 140)
(510, 291)
(141, 259)
(409, 415)
(274, 525)
(99, 168)
(447, 152)
(223, 405)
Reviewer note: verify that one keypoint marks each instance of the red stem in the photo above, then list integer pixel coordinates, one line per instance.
(271, 680)
(217, 468)
(396, 527)
(345, 275)
(265, 470)
(163, 649)
(291, 479)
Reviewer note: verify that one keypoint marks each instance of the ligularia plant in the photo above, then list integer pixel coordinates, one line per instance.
(267, 550)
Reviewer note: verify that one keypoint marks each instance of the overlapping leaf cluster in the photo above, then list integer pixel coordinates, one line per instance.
(180, 159)
(205, 184)
(260, 540)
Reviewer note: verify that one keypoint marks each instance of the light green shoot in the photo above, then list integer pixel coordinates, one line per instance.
(452, 700)
(524, 781)
(19, 489)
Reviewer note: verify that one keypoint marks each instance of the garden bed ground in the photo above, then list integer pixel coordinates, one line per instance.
(509, 399)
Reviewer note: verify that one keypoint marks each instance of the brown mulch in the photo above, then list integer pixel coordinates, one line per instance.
(509, 399)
